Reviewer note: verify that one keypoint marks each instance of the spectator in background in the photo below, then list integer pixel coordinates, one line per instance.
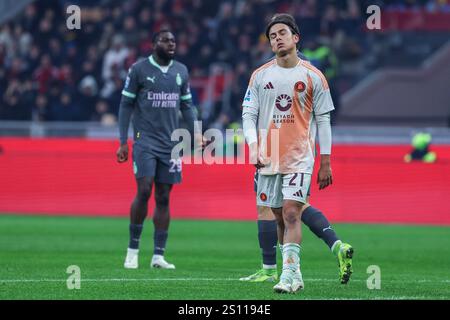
(351, 19)
(145, 19)
(23, 40)
(16, 69)
(45, 73)
(73, 55)
(102, 113)
(65, 109)
(55, 51)
(16, 101)
(53, 93)
(238, 87)
(27, 96)
(114, 58)
(45, 31)
(88, 69)
(30, 19)
(6, 45)
(33, 58)
(131, 31)
(309, 19)
(65, 75)
(42, 112)
(87, 97)
(36, 44)
(330, 21)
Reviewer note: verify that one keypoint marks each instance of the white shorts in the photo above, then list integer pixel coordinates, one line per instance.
(271, 190)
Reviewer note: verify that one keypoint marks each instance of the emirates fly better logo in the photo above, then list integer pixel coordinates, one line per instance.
(283, 102)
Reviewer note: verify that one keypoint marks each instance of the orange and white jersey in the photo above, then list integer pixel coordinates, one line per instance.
(284, 103)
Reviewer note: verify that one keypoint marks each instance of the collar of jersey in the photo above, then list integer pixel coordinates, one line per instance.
(299, 63)
(153, 62)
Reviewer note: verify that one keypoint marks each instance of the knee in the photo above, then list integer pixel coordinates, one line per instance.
(144, 193)
(278, 213)
(162, 199)
(291, 216)
(265, 213)
(291, 219)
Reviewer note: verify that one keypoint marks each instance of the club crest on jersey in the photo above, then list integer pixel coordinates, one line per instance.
(283, 102)
(263, 197)
(178, 79)
(300, 86)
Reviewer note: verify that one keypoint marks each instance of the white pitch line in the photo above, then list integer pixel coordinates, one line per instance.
(116, 280)
(204, 279)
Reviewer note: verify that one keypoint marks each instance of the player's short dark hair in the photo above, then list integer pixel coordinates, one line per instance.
(286, 19)
(158, 34)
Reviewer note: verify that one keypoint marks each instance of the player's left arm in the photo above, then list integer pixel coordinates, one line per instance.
(189, 111)
(323, 105)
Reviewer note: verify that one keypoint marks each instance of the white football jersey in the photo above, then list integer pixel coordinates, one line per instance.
(285, 101)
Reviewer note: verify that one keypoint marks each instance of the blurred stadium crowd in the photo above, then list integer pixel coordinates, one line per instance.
(50, 73)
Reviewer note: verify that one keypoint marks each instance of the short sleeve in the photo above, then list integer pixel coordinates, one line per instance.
(251, 95)
(323, 102)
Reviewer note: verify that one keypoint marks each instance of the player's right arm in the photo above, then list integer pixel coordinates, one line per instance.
(129, 94)
(250, 112)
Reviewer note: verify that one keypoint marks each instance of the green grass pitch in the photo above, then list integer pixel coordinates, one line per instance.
(210, 256)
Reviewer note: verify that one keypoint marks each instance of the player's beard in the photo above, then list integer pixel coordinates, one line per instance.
(164, 55)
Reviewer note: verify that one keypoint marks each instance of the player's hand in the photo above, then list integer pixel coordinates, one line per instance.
(255, 158)
(122, 153)
(205, 142)
(325, 177)
(201, 142)
(262, 162)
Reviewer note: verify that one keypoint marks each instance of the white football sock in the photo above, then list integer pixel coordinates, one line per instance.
(291, 256)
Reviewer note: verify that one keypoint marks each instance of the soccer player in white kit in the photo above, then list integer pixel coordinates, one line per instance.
(282, 99)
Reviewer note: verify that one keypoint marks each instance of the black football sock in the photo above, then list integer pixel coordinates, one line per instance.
(319, 225)
(135, 235)
(267, 236)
